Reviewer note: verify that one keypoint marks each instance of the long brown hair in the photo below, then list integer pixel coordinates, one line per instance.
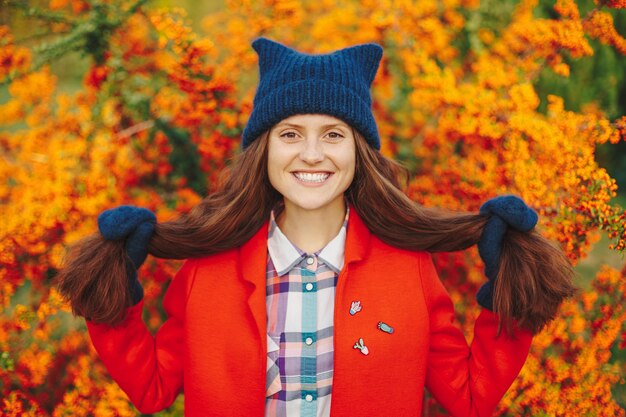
(533, 278)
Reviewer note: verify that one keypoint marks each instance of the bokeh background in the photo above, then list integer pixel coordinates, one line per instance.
(108, 102)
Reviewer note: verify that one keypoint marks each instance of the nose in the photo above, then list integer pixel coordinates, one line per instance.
(312, 152)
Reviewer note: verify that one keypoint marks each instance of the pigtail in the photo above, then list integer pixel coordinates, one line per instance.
(94, 277)
(534, 276)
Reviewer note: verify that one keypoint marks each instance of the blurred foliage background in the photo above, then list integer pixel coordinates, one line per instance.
(107, 102)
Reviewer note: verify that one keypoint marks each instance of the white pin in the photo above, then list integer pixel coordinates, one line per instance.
(355, 307)
(359, 345)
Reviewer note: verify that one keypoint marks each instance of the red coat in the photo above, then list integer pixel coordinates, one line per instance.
(214, 340)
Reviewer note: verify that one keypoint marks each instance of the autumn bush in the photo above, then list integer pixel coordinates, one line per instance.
(160, 113)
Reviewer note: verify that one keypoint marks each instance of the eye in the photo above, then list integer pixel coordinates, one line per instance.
(335, 135)
(288, 135)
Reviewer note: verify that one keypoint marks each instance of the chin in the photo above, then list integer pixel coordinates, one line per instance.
(310, 204)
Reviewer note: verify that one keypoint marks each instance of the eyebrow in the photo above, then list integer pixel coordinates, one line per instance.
(295, 125)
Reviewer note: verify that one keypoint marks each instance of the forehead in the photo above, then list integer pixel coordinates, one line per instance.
(310, 120)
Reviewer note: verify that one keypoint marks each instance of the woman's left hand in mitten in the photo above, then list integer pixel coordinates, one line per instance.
(506, 211)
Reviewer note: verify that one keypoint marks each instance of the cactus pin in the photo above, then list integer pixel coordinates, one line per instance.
(385, 327)
(361, 346)
(355, 307)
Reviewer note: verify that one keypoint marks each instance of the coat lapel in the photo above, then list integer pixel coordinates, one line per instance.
(357, 238)
(345, 366)
(253, 264)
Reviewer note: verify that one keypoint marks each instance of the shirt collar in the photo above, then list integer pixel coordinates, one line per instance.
(285, 255)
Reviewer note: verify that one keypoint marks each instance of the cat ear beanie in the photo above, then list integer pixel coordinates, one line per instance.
(337, 84)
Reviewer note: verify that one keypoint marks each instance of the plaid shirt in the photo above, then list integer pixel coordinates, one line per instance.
(300, 307)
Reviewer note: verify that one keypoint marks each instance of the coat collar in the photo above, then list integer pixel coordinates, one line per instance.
(253, 253)
(253, 262)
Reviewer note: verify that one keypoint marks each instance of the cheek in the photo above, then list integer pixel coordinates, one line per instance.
(276, 163)
(272, 172)
(351, 171)
(348, 163)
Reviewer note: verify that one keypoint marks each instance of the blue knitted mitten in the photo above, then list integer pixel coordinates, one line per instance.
(506, 211)
(136, 226)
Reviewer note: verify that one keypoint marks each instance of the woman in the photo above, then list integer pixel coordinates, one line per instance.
(308, 289)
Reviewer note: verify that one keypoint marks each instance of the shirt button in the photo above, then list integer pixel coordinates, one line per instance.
(308, 341)
(309, 286)
(308, 398)
(310, 261)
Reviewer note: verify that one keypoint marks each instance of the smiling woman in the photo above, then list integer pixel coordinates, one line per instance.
(308, 287)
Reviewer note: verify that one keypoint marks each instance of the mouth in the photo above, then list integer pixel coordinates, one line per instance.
(312, 177)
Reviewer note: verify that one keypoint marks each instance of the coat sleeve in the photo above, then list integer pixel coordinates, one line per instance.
(148, 368)
(468, 380)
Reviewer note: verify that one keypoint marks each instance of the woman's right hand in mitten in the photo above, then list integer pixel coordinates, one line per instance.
(135, 225)
(506, 211)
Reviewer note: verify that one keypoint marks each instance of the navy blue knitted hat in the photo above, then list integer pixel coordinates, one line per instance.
(337, 84)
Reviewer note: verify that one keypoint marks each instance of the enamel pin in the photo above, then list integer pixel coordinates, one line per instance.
(385, 327)
(355, 307)
(361, 346)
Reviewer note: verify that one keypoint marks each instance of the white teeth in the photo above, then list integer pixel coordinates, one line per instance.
(311, 177)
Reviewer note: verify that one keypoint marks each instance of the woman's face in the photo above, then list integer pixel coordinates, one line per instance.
(311, 160)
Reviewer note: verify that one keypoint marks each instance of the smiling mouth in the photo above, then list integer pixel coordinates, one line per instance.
(312, 177)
